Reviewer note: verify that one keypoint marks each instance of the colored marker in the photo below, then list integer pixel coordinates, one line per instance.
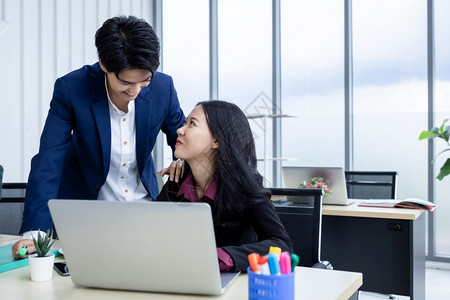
(275, 250)
(294, 260)
(263, 265)
(253, 260)
(285, 263)
(274, 263)
(23, 251)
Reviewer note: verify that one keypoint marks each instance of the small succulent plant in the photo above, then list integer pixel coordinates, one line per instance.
(43, 244)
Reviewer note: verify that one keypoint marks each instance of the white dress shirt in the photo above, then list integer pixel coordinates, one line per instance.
(123, 182)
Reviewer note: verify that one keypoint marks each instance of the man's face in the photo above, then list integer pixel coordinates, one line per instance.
(127, 85)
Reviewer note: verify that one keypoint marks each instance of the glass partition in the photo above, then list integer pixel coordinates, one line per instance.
(442, 112)
(312, 56)
(186, 54)
(390, 91)
(245, 67)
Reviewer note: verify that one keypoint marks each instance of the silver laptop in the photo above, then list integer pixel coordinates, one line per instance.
(153, 246)
(333, 176)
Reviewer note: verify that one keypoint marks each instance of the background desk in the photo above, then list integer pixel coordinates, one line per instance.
(16, 284)
(386, 244)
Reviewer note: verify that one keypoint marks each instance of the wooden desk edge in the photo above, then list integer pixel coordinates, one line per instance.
(334, 279)
(352, 289)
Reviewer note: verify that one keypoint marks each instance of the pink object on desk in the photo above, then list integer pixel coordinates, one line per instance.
(285, 263)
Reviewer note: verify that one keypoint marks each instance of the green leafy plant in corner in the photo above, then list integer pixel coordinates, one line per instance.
(43, 244)
(442, 132)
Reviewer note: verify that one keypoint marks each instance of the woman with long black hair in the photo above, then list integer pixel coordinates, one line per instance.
(217, 145)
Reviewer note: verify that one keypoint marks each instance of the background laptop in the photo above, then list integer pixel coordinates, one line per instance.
(153, 246)
(335, 177)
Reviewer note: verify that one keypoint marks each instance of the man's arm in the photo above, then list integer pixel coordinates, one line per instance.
(175, 119)
(47, 165)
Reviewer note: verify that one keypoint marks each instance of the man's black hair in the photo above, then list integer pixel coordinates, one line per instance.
(126, 43)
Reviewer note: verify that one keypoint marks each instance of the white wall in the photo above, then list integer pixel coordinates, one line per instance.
(45, 39)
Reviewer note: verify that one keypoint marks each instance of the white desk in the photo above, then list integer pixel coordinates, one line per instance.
(310, 284)
(386, 244)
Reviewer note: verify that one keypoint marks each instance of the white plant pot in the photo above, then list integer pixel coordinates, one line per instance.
(41, 268)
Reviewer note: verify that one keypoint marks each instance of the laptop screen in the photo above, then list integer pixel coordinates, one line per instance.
(333, 177)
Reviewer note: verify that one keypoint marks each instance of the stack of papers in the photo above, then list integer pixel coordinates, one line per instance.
(406, 203)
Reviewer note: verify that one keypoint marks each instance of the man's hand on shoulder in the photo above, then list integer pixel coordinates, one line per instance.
(175, 170)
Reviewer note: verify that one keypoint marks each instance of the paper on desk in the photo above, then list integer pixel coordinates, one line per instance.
(406, 203)
(8, 262)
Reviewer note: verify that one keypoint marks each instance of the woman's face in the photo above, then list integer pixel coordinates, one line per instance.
(195, 142)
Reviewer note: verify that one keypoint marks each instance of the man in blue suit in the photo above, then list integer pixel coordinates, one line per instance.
(102, 126)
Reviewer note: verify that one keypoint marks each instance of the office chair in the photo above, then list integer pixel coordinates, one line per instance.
(371, 184)
(11, 207)
(301, 215)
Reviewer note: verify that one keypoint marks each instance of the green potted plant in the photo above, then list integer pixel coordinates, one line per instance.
(442, 132)
(41, 262)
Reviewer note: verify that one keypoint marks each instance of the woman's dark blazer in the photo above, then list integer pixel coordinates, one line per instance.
(258, 229)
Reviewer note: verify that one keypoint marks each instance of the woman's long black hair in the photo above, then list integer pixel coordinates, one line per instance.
(239, 182)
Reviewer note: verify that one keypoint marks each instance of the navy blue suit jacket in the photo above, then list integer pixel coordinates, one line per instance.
(75, 147)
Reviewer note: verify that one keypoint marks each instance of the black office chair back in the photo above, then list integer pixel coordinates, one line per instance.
(11, 207)
(302, 219)
(371, 184)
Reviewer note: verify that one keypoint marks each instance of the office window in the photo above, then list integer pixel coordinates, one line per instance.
(442, 112)
(312, 57)
(389, 81)
(390, 90)
(245, 65)
(186, 54)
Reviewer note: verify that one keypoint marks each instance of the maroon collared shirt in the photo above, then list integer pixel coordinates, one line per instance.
(190, 193)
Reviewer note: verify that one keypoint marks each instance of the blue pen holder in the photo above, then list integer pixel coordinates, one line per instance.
(270, 287)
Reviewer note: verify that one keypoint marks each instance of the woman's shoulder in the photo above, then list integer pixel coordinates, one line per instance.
(168, 192)
(170, 189)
